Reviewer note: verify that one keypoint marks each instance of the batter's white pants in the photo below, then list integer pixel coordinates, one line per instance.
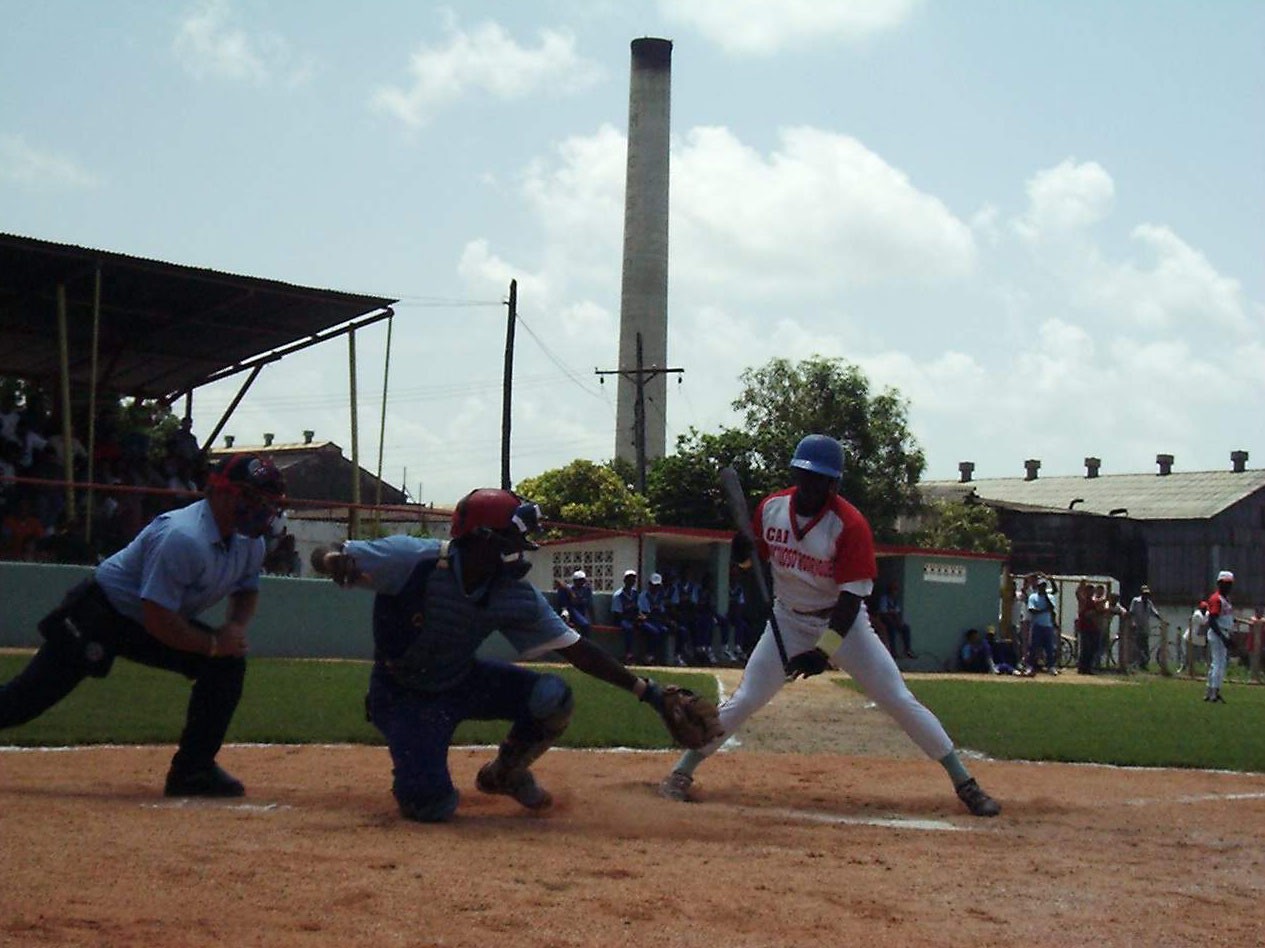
(862, 655)
(1217, 657)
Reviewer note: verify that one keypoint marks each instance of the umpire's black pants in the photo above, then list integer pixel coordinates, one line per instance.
(82, 637)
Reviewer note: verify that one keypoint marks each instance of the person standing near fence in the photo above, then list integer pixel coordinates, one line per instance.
(1220, 631)
(1141, 611)
(1044, 624)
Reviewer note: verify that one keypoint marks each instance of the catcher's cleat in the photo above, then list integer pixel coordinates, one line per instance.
(520, 785)
(213, 781)
(676, 786)
(976, 800)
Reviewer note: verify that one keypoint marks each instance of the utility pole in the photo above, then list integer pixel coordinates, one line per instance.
(508, 385)
(639, 377)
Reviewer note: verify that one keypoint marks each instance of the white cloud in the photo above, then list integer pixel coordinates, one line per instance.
(210, 45)
(487, 60)
(40, 169)
(819, 212)
(1065, 199)
(761, 27)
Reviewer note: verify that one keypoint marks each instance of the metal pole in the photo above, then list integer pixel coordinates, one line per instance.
(508, 385)
(382, 426)
(68, 455)
(92, 406)
(353, 517)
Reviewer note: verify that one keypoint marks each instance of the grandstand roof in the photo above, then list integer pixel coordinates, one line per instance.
(165, 328)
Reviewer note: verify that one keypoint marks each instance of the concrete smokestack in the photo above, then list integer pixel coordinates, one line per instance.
(643, 303)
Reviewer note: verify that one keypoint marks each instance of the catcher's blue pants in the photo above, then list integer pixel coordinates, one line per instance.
(418, 726)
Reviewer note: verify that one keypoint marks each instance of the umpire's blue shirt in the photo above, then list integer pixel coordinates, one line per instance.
(423, 616)
(180, 562)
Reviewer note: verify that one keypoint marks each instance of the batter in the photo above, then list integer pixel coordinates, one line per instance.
(821, 554)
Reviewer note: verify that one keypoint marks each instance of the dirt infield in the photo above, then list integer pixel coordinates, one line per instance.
(783, 848)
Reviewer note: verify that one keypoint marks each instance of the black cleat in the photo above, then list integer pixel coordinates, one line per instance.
(213, 781)
(976, 800)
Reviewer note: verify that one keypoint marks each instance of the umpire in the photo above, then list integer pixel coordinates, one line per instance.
(142, 604)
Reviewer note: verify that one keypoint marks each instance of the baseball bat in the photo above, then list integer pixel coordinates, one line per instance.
(731, 487)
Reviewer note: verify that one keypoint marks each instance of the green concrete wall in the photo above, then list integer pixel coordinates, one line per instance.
(297, 618)
(939, 613)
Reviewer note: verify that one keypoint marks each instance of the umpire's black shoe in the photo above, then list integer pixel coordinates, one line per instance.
(213, 781)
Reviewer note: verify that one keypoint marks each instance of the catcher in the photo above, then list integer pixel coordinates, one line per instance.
(436, 603)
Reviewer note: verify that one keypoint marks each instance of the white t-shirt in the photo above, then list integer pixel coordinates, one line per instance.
(1195, 631)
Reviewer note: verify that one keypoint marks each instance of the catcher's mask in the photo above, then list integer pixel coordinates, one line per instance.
(500, 517)
(257, 488)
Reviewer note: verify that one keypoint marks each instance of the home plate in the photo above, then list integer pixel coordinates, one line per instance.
(891, 822)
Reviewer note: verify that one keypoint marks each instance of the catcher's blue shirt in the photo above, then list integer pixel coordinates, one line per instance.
(180, 562)
(425, 626)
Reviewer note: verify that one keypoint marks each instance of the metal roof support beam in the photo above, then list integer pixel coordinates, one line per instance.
(278, 354)
(232, 407)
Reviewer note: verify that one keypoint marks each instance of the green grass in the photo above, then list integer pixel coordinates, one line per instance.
(307, 702)
(1143, 721)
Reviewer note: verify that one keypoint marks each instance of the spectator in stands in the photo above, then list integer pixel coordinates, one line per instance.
(1087, 608)
(20, 530)
(704, 621)
(575, 603)
(626, 612)
(893, 616)
(9, 415)
(975, 655)
(657, 622)
(9, 490)
(735, 630)
(65, 545)
(182, 444)
(50, 501)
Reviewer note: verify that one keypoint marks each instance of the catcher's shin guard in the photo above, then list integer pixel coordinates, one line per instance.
(550, 704)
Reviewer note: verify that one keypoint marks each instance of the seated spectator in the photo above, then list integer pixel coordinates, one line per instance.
(20, 530)
(735, 630)
(65, 545)
(975, 655)
(657, 624)
(182, 444)
(890, 611)
(626, 613)
(575, 603)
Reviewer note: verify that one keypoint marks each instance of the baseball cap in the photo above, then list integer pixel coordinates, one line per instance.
(1203, 603)
(1145, 589)
(629, 572)
(1225, 576)
(655, 579)
(579, 574)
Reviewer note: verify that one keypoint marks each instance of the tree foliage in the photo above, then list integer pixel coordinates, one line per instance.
(586, 493)
(683, 488)
(952, 525)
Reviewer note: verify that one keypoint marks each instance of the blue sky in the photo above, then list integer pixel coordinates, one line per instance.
(1042, 222)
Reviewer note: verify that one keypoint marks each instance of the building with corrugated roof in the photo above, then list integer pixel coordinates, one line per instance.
(1173, 530)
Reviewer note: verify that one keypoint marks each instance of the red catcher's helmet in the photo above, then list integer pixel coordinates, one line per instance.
(499, 515)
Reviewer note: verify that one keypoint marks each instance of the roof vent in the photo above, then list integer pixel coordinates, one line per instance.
(1091, 466)
(1165, 461)
(966, 469)
(1239, 460)
(308, 435)
(228, 441)
(268, 436)
(1032, 465)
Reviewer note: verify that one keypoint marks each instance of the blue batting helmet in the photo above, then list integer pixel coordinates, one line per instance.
(820, 454)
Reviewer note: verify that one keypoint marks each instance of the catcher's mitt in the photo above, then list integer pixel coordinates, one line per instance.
(334, 563)
(692, 720)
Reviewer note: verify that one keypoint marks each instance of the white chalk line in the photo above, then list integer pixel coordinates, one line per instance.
(816, 816)
(188, 803)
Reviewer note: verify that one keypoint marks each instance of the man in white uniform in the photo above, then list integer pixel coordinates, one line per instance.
(821, 553)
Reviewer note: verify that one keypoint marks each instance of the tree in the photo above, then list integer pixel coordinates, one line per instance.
(586, 493)
(781, 402)
(953, 525)
(683, 488)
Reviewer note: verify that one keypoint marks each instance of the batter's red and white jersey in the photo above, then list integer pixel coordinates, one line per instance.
(812, 560)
